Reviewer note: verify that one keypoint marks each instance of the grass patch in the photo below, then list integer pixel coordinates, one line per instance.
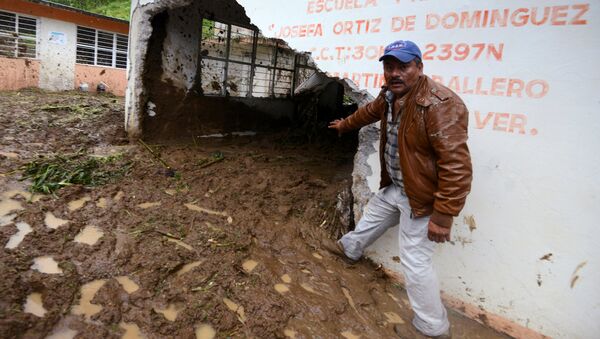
(83, 110)
(75, 112)
(48, 174)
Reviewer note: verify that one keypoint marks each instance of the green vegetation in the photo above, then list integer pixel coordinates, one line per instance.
(83, 110)
(208, 29)
(348, 100)
(73, 112)
(114, 8)
(48, 174)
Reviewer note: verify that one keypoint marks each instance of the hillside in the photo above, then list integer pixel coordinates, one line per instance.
(113, 8)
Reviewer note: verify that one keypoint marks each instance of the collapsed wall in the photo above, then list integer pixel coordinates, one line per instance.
(201, 67)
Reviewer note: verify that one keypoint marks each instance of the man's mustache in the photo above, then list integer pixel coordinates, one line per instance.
(396, 80)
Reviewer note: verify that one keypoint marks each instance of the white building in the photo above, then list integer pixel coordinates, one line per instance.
(56, 47)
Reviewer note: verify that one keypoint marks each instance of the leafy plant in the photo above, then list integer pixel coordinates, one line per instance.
(49, 174)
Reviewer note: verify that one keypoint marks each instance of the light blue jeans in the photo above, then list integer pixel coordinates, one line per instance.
(388, 208)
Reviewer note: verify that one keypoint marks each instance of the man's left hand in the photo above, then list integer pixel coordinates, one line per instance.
(438, 233)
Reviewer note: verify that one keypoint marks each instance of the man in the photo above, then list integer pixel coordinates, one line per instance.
(425, 176)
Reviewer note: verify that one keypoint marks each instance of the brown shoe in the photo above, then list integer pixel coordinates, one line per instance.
(336, 248)
(404, 331)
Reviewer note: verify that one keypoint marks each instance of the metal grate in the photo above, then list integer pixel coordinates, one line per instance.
(282, 86)
(104, 58)
(235, 61)
(304, 68)
(122, 43)
(101, 48)
(106, 40)
(121, 61)
(86, 36)
(213, 74)
(122, 47)
(17, 35)
(265, 52)
(8, 22)
(86, 46)
(261, 86)
(241, 45)
(285, 58)
(238, 79)
(214, 39)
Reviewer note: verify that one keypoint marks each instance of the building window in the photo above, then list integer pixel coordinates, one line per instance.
(17, 36)
(101, 48)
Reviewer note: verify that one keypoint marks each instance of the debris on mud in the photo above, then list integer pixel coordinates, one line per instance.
(226, 250)
(48, 174)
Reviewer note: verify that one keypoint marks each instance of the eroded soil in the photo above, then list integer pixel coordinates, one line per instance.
(226, 250)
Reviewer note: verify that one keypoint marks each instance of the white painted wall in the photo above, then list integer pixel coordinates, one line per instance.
(181, 57)
(534, 192)
(57, 69)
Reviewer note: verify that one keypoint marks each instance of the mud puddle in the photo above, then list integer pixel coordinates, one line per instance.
(23, 229)
(54, 222)
(89, 235)
(34, 305)
(85, 307)
(47, 265)
(128, 285)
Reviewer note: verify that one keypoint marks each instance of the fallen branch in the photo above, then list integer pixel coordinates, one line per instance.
(164, 163)
(168, 235)
(210, 162)
(215, 157)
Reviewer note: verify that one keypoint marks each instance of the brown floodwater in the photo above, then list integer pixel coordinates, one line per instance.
(132, 331)
(205, 331)
(79, 203)
(147, 205)
(128, 285)
(170, 312)
(34, 305)
(47, 265)
(188, 267)
(89, 235)
(249, 265)
(23, 229)
(54, 222)
(85, 307)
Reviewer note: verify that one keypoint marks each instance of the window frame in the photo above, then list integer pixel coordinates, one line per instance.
(115, 51)
(18, 39)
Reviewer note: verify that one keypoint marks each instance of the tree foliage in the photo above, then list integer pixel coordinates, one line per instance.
(113, 8)
(83, 4)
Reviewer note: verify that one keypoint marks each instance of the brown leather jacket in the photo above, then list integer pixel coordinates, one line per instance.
(434, 157)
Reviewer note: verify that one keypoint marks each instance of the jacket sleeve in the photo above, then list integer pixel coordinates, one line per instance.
(366, 114)
(447, 124)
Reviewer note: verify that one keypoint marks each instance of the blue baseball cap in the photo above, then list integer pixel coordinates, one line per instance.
(403, 50)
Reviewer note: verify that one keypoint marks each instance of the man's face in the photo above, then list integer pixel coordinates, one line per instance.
(399, 76)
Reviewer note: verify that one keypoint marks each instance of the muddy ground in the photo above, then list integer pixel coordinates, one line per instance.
(231, 249)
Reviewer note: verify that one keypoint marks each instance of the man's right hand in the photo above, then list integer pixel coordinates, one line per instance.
(336, 125)
(438, 233)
